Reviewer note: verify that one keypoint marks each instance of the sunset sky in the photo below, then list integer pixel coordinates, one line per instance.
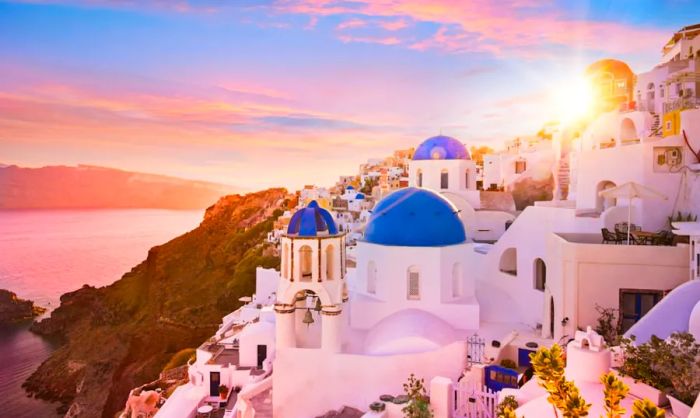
(283, 93)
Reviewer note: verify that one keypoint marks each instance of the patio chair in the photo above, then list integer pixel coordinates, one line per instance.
(659, 238)
(609, 237)
(668, 237)
(622, 238)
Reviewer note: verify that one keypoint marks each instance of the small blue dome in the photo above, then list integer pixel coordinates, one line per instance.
(359, 196)
(310, 221)
(441, 147)
(349, 188)
(414, 217)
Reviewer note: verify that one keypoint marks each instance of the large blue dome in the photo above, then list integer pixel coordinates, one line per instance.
(414, 217)
(312, 221)
(441, 147)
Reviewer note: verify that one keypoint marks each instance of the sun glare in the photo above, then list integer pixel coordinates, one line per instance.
(572, 100)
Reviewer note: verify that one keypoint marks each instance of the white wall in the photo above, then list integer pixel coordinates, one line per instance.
(309, 383)
(265, 284)
(582, 273)
(432, 170)
(435, 265)
(506, 298)
(259, 333)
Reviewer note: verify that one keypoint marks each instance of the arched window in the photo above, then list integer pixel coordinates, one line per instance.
(444, 179)
(509, 262)
(305, 263)
(371, 277)
(603, 203)
(540, 274)
(413, 283)
(330, 262)
(285, 261)
(628, 132)
(419, 179)
(456, 280)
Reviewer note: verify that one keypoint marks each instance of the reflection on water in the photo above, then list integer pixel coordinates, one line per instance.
(20, 353)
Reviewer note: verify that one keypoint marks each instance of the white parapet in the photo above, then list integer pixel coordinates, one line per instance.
(441, 397)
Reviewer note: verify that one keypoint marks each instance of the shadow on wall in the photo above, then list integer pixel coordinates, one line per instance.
(526, 191)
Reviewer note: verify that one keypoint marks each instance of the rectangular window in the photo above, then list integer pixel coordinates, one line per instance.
(413, 285)
(634, 304)
(443, 180)
(520, 166)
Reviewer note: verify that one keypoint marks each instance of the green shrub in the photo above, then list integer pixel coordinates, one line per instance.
(548, 364)
(671, 365)
(507, 407)
(509, 364)
(418, 405)
(609, 324)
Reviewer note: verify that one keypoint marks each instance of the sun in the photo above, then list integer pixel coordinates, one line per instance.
(572, 100)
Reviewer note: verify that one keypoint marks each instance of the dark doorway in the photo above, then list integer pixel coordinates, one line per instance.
(214, 383)
(551, 317)
(262, 354)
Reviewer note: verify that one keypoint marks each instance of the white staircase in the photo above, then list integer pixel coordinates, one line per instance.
(563, 178)
(656, 125)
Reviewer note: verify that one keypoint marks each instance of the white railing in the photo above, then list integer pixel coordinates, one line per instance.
(472, 401)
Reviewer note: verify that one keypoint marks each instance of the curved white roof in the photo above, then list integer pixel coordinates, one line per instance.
(409, 331)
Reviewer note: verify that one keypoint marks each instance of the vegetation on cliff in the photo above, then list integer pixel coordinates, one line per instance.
(121, 336)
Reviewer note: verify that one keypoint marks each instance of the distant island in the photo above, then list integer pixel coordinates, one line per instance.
(88, 187)
(14, 309)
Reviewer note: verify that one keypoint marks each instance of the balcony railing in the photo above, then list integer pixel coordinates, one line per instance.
(682, 103)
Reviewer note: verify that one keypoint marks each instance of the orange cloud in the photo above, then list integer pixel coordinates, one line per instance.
(210, 135)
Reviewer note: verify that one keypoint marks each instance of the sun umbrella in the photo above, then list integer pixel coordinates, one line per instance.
(629, 191)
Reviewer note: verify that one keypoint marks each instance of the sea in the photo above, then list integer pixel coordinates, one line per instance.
(45, 253)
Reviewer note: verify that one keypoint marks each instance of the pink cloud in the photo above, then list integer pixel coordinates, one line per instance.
(494, 27)
(394, 25)
(388, 40)
(350, 24)
(55, 118)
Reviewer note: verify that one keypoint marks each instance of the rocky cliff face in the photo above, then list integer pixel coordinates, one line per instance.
(120, 336)
(14, 309)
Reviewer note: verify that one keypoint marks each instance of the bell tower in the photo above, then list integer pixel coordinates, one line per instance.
(312, 278)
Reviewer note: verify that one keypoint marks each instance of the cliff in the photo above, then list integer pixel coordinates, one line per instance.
(120, 336)
(59, 187)
(14, 309)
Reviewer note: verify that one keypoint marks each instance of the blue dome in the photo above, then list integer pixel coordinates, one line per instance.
(359, 196)
(441, 147)
(349, 188)
(310, 221)
(414, 217)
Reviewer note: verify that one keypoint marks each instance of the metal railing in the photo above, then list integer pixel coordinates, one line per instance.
(682, 103)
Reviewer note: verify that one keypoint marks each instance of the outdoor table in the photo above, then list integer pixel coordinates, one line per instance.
(205, 410)
(644, 236)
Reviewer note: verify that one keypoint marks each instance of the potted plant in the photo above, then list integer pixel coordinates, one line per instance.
(223, 392)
